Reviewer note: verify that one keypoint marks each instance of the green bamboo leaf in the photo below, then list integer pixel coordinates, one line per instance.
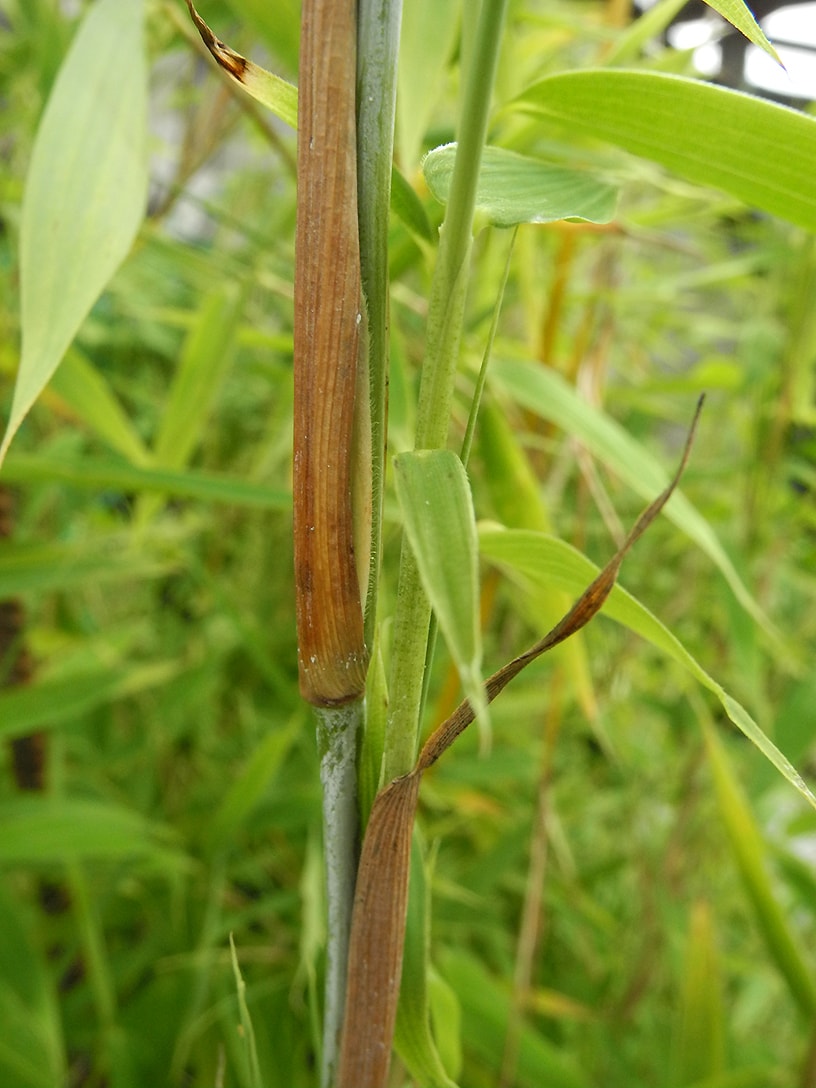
(247, 1029)
(48, 703)
(485, 1014)
(81, 385)
(427, 40)
(32, 1048)
(60, 565)
(516, 189)
(698, 1046)
(740, 16)
(546, 393)
(412, 1038)
(53, 830)
(434, 495)
(85, 192)
(757, 151)
(406, 204)
(96, 474)
(641, 31)
(251, 783)
(545, 560)
(749, 853)
(205, 357)
(518, 502)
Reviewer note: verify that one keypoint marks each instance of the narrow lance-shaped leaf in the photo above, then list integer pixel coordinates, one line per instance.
(740, 16)
(757, 151)
(85, 192)
(434, 496)
(749, 854)
(552, 562)
(516, 189)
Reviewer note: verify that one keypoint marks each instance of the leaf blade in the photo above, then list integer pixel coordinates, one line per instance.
(85, 192)
(546, 393)
(709, 135)
(551, 561)
(515, 188)
(434, 496)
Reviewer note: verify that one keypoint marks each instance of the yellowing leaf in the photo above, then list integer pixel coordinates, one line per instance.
(265, 87)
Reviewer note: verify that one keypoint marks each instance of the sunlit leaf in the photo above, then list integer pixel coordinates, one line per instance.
(85, 192)
(486, 1008)
(427, 40)
(407, 205)
(81, 385)
(97, 474)
(740, 16)
(709, 135)
(698, 1050)
(48, 703)
(516, 189)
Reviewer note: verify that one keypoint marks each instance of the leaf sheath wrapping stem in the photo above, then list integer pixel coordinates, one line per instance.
(331, 648)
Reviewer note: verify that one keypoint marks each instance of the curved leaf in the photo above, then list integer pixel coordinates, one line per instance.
(759, 152)
(516, 189)
(85, 192)
(549, 561)
(265, 87)
(546, 393)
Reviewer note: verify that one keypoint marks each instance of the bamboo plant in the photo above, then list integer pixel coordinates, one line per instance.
(369, 705)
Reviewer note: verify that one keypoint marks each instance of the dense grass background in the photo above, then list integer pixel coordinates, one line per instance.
(593, 920)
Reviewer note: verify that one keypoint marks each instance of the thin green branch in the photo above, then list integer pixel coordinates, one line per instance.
(446, 313)
(378, 30)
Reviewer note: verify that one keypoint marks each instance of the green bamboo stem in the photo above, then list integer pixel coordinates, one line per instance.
(445, 318)
(378, 31)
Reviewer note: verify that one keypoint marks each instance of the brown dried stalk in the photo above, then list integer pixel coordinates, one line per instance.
(331, 649)
(381, 898)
